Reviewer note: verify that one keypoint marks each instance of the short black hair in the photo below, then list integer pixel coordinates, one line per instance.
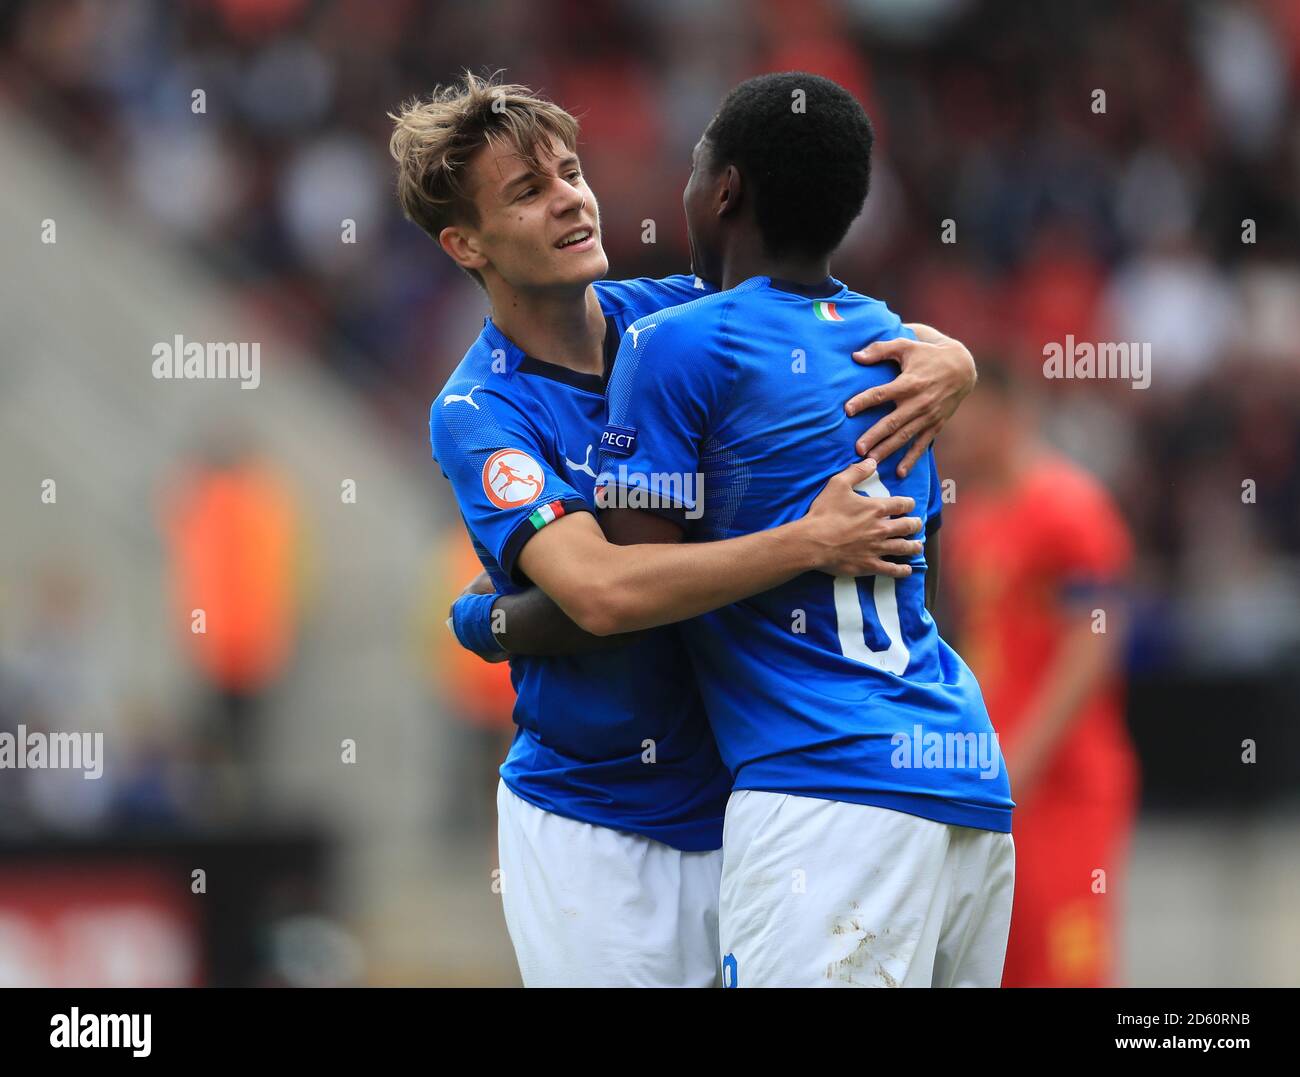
(804, 144)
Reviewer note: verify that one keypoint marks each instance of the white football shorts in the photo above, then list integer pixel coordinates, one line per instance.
(824, 893)
(588, 906)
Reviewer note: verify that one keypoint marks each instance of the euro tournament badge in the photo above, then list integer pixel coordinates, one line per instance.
(512, 478)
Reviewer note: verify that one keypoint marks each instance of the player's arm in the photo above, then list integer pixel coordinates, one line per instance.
(937, 374)
(522, 622)
(1087, 561)
(607, 588)
(502, 514)
(648, 295)
(530, 622)
(670, 385)
(933, 381)
(539, 530)
(1084, 662)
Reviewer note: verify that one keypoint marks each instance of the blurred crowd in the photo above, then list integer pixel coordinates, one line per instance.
(236, 562)
(1106, 171)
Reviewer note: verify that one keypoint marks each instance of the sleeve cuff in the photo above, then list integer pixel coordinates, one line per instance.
(527, 527)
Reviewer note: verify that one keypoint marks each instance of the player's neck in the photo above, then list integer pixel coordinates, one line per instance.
(746, 259)
(565, 329)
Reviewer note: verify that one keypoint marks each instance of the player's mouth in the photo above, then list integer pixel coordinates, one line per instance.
(580, 239)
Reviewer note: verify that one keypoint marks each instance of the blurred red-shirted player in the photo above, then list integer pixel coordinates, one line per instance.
(1037, 555)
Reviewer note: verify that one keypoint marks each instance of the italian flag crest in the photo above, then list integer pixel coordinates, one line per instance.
(826, 312)
(545, 515)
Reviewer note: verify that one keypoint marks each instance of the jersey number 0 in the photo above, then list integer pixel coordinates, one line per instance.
(848, 610)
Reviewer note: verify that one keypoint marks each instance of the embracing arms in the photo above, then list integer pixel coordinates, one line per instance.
(591, 595)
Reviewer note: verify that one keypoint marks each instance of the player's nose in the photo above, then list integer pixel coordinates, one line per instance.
(567, 199)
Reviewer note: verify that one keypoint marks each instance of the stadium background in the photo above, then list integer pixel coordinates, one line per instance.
(228, 225)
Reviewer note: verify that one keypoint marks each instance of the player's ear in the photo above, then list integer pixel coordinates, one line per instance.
(730, 190)
(462, 247)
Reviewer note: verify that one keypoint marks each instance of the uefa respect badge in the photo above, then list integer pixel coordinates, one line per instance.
(619, 440)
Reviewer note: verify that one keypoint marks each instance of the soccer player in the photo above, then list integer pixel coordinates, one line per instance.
(867, 840)
(610, 805)
(1040, 553)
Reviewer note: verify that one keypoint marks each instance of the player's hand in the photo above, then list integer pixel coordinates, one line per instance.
(480, 585)
(853, 533)
(937, 374)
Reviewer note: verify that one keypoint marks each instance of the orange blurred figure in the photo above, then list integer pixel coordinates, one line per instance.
(233, 535)
(232, 531)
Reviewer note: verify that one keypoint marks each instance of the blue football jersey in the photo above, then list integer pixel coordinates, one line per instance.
(727, 413)
(617, 738)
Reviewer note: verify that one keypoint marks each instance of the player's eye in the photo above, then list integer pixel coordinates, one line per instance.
(525, 194)
(574, 175)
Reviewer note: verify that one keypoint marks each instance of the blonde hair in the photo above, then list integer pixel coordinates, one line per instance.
(434, 139)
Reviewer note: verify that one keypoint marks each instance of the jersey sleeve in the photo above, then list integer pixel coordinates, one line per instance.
(649, 295)
(888, 326)
(495, 459)
(667, 389)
